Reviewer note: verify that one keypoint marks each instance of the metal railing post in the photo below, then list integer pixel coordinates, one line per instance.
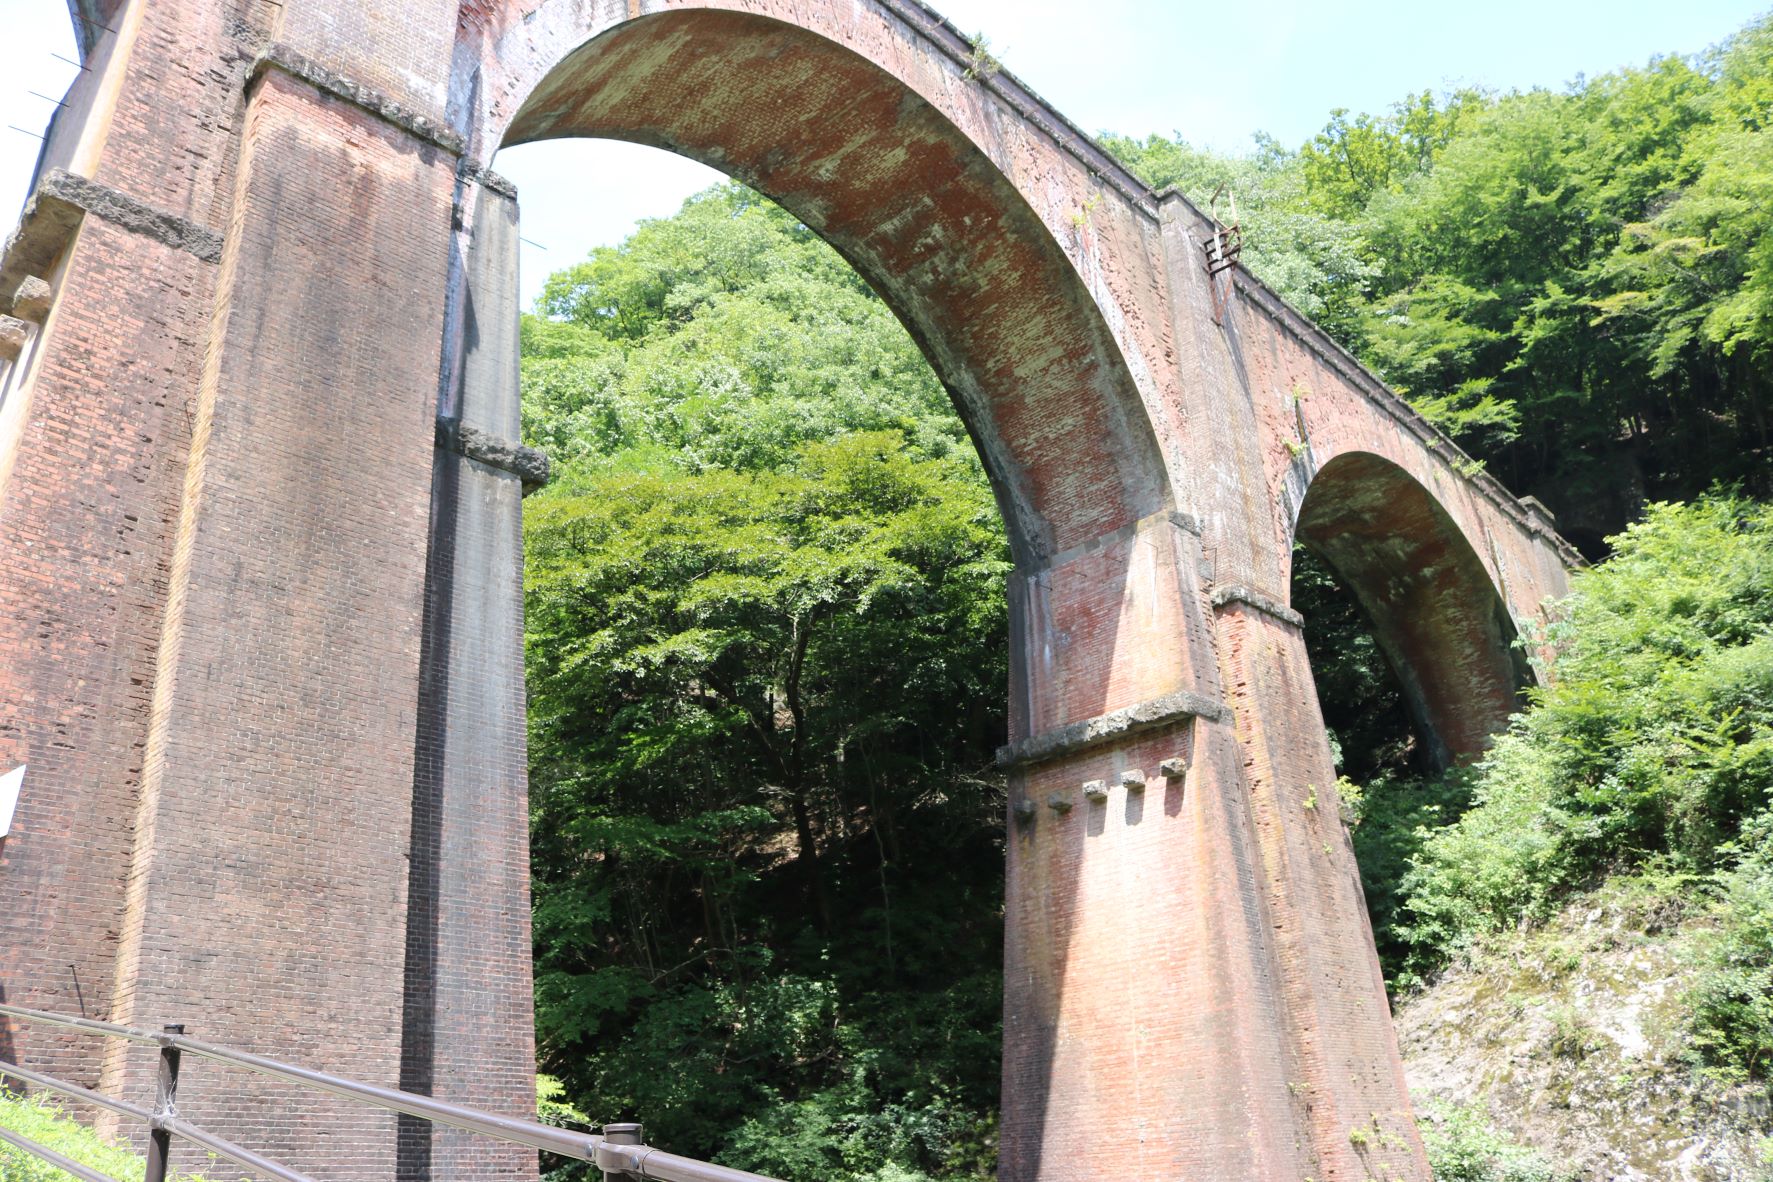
(622, 1134)
(165, 1108)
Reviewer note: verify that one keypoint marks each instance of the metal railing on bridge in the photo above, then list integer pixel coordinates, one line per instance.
(618, 1151)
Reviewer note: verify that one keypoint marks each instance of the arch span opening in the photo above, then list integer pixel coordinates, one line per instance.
(927, 218)
(1435, 614)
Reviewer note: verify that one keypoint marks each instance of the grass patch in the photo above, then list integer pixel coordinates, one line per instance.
(43, 1120)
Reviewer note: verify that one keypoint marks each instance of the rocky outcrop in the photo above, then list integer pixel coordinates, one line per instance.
(1571, 1037)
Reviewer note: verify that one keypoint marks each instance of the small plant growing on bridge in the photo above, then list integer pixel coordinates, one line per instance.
(980, 62)
(1081, 218)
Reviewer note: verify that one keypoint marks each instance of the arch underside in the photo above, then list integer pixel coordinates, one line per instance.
(922, 213)
(1435, 612)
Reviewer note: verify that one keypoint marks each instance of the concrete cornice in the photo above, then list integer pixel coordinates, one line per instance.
(1175, 707)
(55, 210)
(1251, 598)
(281, 57)
(526, 463)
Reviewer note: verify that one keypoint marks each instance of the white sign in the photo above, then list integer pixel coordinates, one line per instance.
(10, 783)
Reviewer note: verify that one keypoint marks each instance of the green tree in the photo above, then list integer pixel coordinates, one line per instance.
(763, 711)
(725, 337)
(766, 637)
(1351, 160)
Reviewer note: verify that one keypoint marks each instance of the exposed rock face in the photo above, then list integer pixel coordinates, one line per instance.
(1571, 1037)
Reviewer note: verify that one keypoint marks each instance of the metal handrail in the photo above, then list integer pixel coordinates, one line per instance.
(619, 1153)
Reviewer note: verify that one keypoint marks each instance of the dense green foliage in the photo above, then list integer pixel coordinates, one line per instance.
(766, 663)
(723, 337)
(1732, 1023)
(766, 628)
(43, 1120)
(1654, 746)
(1655, 739)
(1575, 284)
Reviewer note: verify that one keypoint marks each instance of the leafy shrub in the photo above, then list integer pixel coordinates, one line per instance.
(1391, 818)
(42, 1119)
(1654, 740)
(1732, 1004)
(1462, 1147)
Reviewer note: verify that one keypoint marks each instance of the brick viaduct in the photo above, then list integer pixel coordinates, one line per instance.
(260, 614)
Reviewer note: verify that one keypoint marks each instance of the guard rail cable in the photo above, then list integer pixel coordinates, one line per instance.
(619, 1151)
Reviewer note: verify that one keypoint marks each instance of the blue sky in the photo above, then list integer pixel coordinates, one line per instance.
(1217, 73)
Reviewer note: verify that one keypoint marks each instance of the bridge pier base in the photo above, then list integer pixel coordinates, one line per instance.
(1182, 903)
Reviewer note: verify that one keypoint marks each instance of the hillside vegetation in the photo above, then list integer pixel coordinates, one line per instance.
(1576, 284)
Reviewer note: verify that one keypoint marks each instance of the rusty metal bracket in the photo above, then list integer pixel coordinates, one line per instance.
(1222, 248)
(1227, 240)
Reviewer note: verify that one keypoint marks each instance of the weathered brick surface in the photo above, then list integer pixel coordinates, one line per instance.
(469, 1016)
(1346, 1073)
(260, 638)
(270, 871)
(400, 48)
(165, 125)
(1107, 627)
(92, 444)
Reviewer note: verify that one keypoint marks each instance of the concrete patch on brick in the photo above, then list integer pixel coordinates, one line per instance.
(526, 463)
(1105, 728)
(1267, 605)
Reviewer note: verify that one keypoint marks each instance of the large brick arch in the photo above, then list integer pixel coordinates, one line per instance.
(921, 211)
(1436, 613)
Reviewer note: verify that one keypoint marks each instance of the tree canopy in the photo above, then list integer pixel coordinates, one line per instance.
(766, 645)
(1575, 283)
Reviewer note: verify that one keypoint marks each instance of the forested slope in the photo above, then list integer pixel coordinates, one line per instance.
(766, 637)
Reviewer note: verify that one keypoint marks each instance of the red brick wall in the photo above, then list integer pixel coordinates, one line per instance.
(268, 886)
(86, 525)
(1346, 1073)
